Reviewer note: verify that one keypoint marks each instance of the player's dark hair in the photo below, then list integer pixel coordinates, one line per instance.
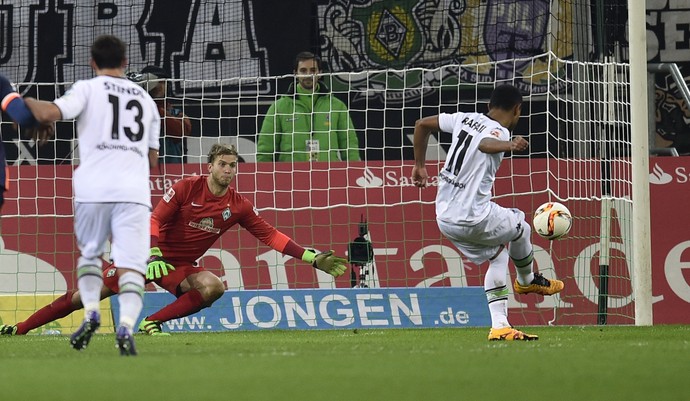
(303, 56)
(221, 149)
(108, 51)
(505, 97)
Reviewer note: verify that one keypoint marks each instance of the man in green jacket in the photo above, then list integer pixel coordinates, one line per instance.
(308, 123)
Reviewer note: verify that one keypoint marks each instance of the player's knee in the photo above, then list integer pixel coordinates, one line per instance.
(213, 290)
(524, 233)
(526, 230)
(89, 267)
(73, 298)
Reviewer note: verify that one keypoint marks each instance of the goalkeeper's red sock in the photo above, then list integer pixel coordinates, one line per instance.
(188, 303)
(59, 308)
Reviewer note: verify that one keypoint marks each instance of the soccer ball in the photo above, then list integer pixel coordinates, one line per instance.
(552, 220)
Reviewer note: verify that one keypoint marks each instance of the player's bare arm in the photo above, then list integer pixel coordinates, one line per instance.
(16, 108)
(493, 145)
(44, 112)
(153, 158)
(422, 129)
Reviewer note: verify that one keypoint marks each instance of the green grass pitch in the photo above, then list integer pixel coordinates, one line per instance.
(567, 363)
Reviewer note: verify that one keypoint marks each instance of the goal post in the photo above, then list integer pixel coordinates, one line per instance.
(640, 170)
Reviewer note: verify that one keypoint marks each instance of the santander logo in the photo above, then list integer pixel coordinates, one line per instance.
(659, 176)
(369, 179)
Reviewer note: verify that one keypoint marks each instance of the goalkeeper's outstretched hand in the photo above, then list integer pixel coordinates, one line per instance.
(157, 266)
(331, 264)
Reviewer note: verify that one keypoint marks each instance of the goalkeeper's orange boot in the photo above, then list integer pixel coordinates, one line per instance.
(539, 285)
(510, 334)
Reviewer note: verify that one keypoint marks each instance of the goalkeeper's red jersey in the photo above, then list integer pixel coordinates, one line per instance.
(189, 219)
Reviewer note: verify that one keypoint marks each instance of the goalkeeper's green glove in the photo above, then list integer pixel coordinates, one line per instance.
(326, 261)
(157, 266)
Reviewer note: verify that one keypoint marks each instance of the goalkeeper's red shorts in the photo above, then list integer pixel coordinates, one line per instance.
(170, 282)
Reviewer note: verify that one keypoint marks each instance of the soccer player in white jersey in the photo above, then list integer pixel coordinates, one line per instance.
(465, 214)
(118, 127)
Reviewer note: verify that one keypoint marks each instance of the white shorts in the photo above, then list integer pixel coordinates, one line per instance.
(127, 224)
(482, 242)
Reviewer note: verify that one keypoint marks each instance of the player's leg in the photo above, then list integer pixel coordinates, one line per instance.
(171, 283)
(496, 290)
(520, 248)
(130, 250)
(209, 286)
(92, 228)
(131, 303)
(198, 290)
(61, 307)
(482, 242)
(522, 255)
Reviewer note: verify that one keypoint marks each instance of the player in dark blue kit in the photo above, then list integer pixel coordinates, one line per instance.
(13, 105)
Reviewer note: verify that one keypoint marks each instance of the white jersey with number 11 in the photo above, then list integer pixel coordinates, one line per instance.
(467, 177)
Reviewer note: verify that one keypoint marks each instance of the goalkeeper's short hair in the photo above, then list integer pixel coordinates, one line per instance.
(221, 149)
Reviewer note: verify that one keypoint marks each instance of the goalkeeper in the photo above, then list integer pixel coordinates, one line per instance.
(189, 219)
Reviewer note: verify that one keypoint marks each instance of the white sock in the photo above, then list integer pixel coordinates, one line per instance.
(524, 274)
(496, 290)
(499, 314)
(521, 253)
(90, 291)
(130, 298)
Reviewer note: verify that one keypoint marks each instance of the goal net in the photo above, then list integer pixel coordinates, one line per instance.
(575, 116)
